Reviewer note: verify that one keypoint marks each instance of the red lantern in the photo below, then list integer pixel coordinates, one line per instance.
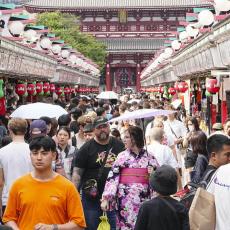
(58, 90)
(176, 86)
(46, 87)
(72, 90)
(182, 86)
(211, 85)
(39, 87)
(172, 91)
(52, 88)
(67, 90)
(20, 89)
(31, 89)
(161, 89)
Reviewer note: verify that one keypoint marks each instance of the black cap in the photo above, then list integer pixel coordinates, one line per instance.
(76, 111)
(99, 121)
(164, 180)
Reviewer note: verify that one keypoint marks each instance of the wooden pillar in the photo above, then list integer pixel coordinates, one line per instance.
(138, 77)
(108, 78)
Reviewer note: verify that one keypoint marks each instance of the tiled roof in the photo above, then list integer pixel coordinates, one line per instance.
(135, 44)
(87, 4)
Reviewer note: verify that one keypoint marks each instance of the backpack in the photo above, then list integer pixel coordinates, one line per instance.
(188, 197)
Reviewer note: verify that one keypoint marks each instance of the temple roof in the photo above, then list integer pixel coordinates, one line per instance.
(118, 45)
(115, 4)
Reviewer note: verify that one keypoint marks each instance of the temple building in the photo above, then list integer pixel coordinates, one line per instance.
(133, 30)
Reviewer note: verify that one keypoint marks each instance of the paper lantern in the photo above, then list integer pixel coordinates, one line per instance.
(222, 5)
(16, 28)
(65, 53)
(169, 51)
(39, 88)
(183, 36)
(182, 86)
(206, 18)
(212, 85)
(191, 31)
(176, 86)
(52, 88)
(58, 90)
(56, 49)
(46, 87)
(29, 35)
(67, 90)
(45, 43)
(72, 90)
(73, 58)
(31, 90)
(172, 91)
(176, 45)
(20, 89)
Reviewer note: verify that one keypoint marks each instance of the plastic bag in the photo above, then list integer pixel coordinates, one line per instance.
(104, 225)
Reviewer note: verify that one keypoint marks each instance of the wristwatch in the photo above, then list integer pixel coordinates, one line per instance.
(54, 227)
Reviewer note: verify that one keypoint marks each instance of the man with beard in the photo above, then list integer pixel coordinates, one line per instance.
(91, 168)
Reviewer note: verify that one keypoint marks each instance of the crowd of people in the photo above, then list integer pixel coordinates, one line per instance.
(65, 173)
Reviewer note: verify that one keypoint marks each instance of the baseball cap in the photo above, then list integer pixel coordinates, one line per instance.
(99, 121)
(38, 127)
(217, 126)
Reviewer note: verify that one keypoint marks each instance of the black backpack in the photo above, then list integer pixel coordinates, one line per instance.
(187, 199)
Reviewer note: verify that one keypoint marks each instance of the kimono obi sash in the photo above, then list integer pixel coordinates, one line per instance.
(134, 175)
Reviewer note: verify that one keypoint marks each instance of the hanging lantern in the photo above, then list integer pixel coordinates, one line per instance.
(172, 91)
(31, 89)
(46, 87)
(52, 88)
(58, 90)
(176, 86)
(72, 90)
(182, 86)
(39, 88)
(161, 89)
(211, 85)
(20, 89)
(1, 88)
(67, 91)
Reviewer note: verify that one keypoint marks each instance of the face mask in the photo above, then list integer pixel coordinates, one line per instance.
(191, 128)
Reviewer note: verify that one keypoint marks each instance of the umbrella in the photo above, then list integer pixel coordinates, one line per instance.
(37, 110)
(107, 95)
(88, 98)
(142, 113)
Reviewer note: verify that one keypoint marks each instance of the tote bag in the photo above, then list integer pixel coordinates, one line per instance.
(202, 213)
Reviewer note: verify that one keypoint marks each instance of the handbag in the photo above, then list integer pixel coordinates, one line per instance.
(104, 225)
(90, 187)
(202, 213)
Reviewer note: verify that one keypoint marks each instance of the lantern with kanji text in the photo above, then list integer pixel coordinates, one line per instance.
(176, 86)
(20, 89)
(39, 88)
(172, 91)
(31, 89)
(46, 87)
(52, 88)
(58, 90)
(182, 87)
(212, 85)
(67, 91)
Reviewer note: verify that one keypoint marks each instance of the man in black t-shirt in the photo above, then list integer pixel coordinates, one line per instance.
(93, 162)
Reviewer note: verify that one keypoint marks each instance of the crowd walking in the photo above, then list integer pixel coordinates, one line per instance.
(142, 174)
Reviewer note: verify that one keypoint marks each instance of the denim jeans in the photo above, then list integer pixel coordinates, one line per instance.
(92, 211)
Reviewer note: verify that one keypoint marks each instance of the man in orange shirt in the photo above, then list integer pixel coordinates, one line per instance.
(43, 199)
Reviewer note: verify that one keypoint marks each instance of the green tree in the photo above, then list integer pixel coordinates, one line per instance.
(66, 26)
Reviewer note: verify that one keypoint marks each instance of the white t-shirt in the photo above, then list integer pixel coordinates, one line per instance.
(220, 188)
(168, 136)
(178, 128)
(163, 154)
(15, 162)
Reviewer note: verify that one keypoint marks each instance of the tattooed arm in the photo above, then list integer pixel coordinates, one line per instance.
(77, 175)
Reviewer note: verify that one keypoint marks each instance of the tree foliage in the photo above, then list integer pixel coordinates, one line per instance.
(66, 26)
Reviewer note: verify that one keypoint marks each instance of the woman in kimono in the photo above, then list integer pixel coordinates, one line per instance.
(127, 185)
